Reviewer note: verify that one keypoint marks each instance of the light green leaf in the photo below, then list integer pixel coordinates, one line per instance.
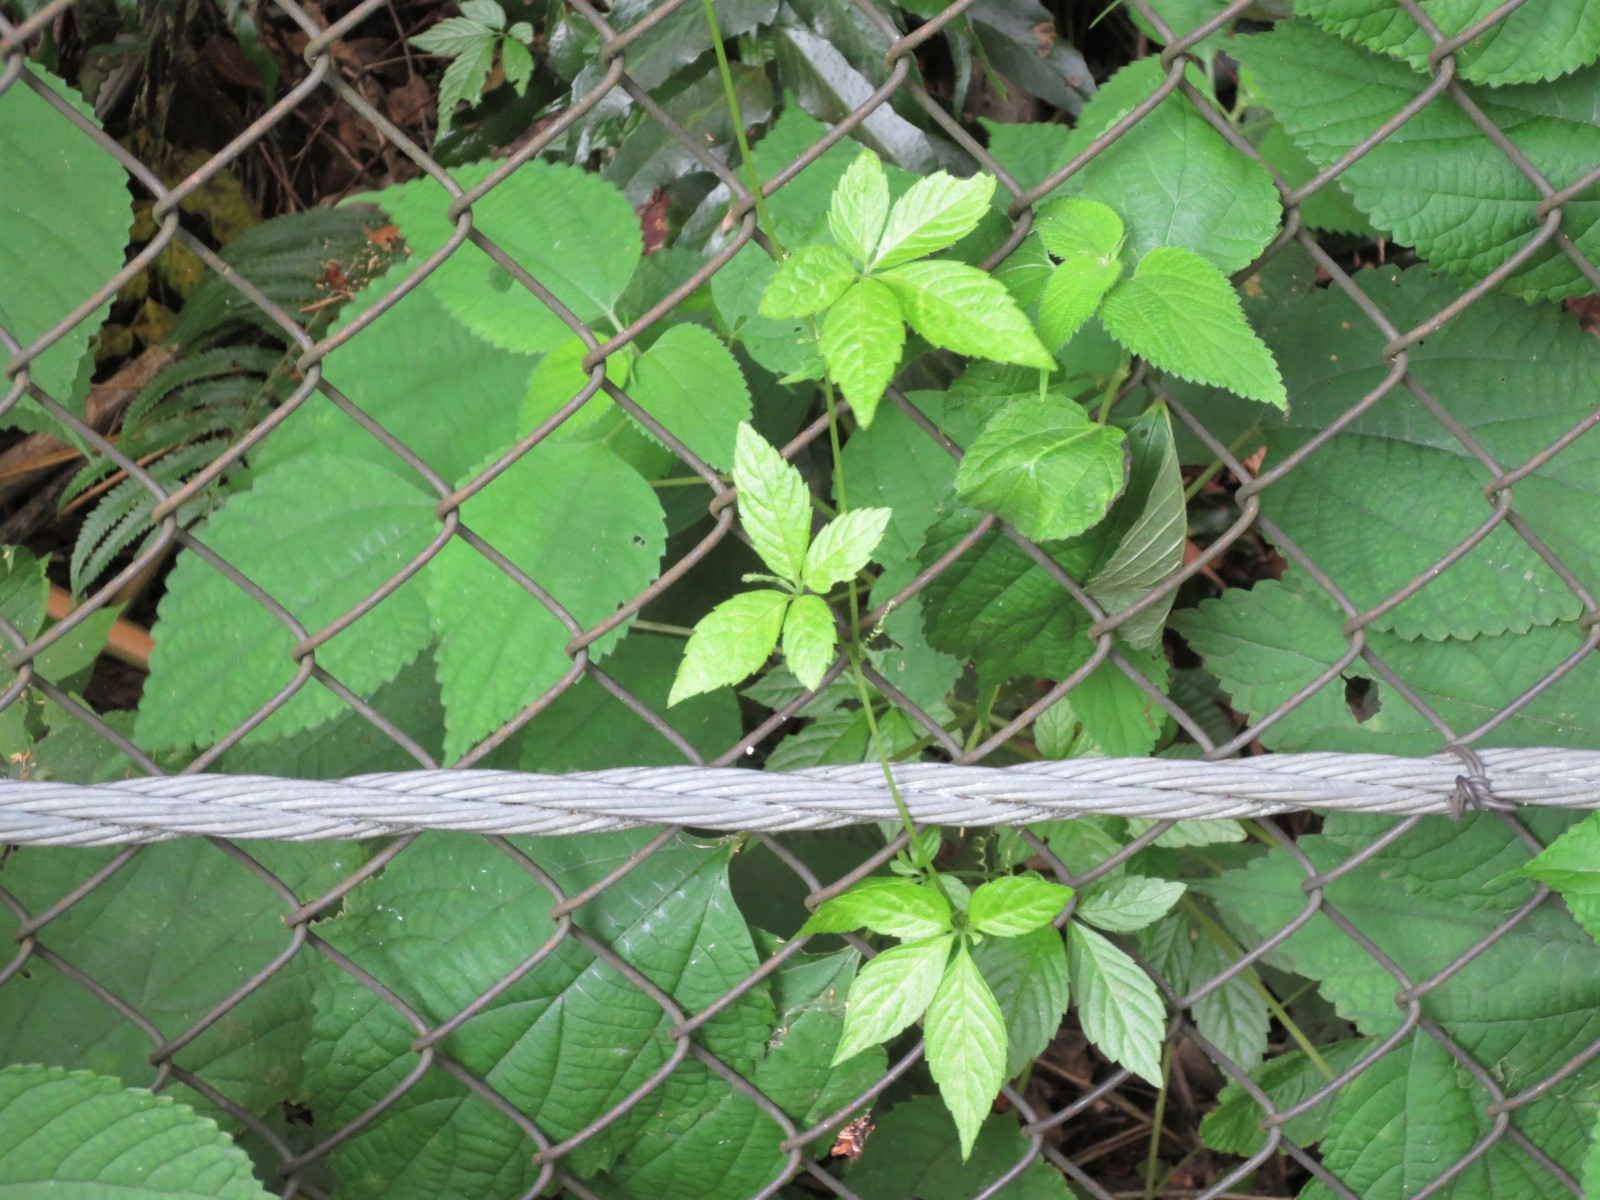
(607, 552)
(898, 466)
(1016, 904)
(809, 639)
(1028, 976)
(730, 643)
(1073, 294)
(487, 11)
(1025, 272)
(1571, 865)
(691, 384)
(1044, 466)
(1121, 1011)
(1073, 225)
(936, 211)
(73, 1133)
(1184, 834)
(516, 63)
(782, 347)
(961, 308)
(774, 505)
(1480, 207)
(806, 282)
(558, 378)
(891, 992)
(1128, 902)
(860, 206)
(1118, 717)
(1233, 1018)
(464, 78)
(843, 547)
(966, 1046)
(862, 338)
(65, 209)
(895, 908)
(453, 36)
(1180, 314)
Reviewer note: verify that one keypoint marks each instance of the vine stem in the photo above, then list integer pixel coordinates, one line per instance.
(745, 160)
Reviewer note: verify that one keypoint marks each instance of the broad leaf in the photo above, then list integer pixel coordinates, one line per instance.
(809, 639)
(961, 308)
(782, 347)
(1234, 1018)
(1480, 207)
(1045, 467)
(1180, 314)
(1234, 1126)
(860, 207)
(1128, 902)
(895, 908)
(73, 1133)
(691, 384)
(862, 339)
(806, 282)
(1122, 1013)
(843, 736)
(843, 547)
(966, 1046)
(1112, 711)
(1028, 976)
(895, 464)
(731, 643)
(774, 505)
(936, 212)
(1073, 225)
(1072, 295)
(1571, 865)
(24, 590)
(891, 992)
(1016, 904)
(590, 562)
(557, 379)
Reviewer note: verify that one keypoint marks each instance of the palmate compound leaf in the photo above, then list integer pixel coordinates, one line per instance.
(844, 546)
(860, 207)
(690, 382)
(1043, 465)
(1479, 208)
(961, 308)
(1180, 314)
(966, 1046)
(734, 640)
(774, 505)
(937, 211)
(75, 1133)
(1016, 904)
(862, 339)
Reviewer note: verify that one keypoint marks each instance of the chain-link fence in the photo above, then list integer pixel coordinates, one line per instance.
(1329, 887)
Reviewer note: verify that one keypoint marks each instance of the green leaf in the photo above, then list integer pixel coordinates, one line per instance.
(843, 736)
(65, 210)
(1480, 207)
(1044, 466)
(453, 36)
(809, 639)
(1128, 902)
(960, 308)
(895, 908)
(1073, 295)
(936, 211)
(70, 1132)
(1122, 1013)
(606, 553)
(1329, 207)
(1184, 834)
(966, 1046)
(464, 78)
(896, 465)
(1073, 225)
(843, 547)
(860, 206)
(1233, 1018)
(1180, 313)
(731, 643)
(366, 524)
(862, 339)
(486, 11)
(1172, 178)
(1234, 1126)
(1117, 716)
(891, 992)
(516, 63)
(1028, 976)
(691, 384)
(807, 282)
(24, 590)
(1590, 1180)
(774, 505)
(558, 378)
(1571, 865)
(1016, 904)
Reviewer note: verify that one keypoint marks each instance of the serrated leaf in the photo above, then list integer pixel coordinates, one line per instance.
(774, 505)
(860, 206)
(1121, 1011)
(960, 308)
(1045, 467)
(1119, 718)
(782, 347)
(1072, 295)
(71, 1132)
(516, 63)
(1481, 208)
(558, 378)
(590, 563)
(936, 211)
(862, 339)
(1180, 314)
(691, 384)
(891, 992)
(809, 639)
(806, 282)
(1074, 225)
(731, 643)
(1234, 1126)
(488, 12)
(453, 36)
(1128, 902)
(895, 908)
(1233, 1018)
(464, 78)
(1571, 865)
(966, 1046)
(843, 547)
(1016, 904)
(1028, 976)
(1184, 834)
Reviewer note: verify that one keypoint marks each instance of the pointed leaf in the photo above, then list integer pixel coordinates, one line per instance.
(730, 643)
(844, 546)
(452, 36)
(1044, 466)
(961, 308)
(809, 639)
(1234, 1017)
(891, 992)
(936, 211)
(691, 383)
(1072, 295)
(1181, 314)
(860, 206)
(809, 280)
(893, 907)
(862, 337)
(1016, 904)
(1571, 865)
(1028, 976)
(1128, 902)
(774, 505)
(488, 12)
(464, 78)
(1074, 225)
(1121, 1011)
(966, 1046)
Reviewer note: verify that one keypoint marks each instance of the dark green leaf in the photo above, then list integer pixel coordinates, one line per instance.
(1028, 976)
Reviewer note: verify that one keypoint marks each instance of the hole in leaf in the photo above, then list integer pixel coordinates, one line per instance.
(1361, 696)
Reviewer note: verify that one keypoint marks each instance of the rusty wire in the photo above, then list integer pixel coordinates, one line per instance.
(1474, 781)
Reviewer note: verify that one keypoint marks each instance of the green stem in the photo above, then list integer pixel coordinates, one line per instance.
(1110, 394)
(745, 160)
(1152, 1157)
